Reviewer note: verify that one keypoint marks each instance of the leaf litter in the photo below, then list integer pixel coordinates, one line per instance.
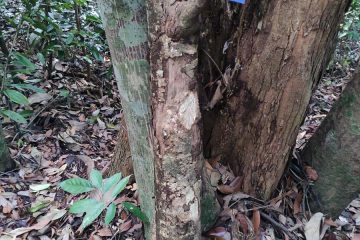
(71, 134)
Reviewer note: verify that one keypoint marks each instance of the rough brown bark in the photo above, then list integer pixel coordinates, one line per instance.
(177, 140)
(334, 152)
(121, 161)
(281, 50)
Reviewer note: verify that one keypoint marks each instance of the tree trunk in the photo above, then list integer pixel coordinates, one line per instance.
(121, 161)
(161, 115)
(275, 52)
(334, 152)
(281, 48)
(126, 31)
(6, 163)
(174, 31)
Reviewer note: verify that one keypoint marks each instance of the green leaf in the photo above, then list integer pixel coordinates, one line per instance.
(70, 38)
(41, 58)
(16, 96)
(87, 59)
(76, 186)
(39, 187)
(111, 181)
(136, 211)
(24, 61)
(14, 116)
(96, 178)
(120, 186)
(92, 214)
(64, 93)
(110, 213)
(39, 206)
(26, 113)
(82, 206)
(28, 86)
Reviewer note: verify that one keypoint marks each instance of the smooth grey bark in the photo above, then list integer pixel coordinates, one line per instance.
(334, 152)
(125, 23)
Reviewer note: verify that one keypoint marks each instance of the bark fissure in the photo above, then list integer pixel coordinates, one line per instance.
(282, 51)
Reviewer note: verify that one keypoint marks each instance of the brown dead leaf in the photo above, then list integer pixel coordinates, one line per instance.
(6, 205)
(135, 227)
(218, 95)
(256, 222)
(330, 222)
(214, 161)
(219, 232)
(243, 222)
(297, 203)
(234, 186)
(125, 226)
(311, 173)
(39, 98)
(355, 236)
(104, 232)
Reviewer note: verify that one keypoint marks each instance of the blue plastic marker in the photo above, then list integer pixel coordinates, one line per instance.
(238, 1)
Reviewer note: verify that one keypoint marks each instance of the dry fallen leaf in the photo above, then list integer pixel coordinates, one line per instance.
(297, 203)
(311, 173)
(243, 222)
(312, 228)
(256, 222)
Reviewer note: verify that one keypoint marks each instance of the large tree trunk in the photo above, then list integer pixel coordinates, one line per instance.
(281, 48)
(161, 115)
(334, 152)
(6, 163)
(275, 53)
(126, 31)
(174, 32)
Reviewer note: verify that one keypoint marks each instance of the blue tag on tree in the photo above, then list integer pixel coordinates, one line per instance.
(238, 1)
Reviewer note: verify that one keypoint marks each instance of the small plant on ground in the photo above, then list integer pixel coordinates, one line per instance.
(104, 193)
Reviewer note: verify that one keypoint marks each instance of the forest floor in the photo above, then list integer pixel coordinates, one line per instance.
(73, 129)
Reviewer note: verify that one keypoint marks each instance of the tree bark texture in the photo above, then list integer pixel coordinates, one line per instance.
(334, 152)
(274, 59)
(6, 163)
(162, 114)
(174, 31)
(126, 31)
(122, 161)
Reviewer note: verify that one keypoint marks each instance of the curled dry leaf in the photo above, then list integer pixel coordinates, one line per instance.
(297, 203)
(234, 186)
(256, 222)
(312, 228)
(243, 222)
(219, 232)
(311, 173)
(125, 226)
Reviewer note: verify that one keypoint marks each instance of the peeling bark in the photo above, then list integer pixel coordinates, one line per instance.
(334, 152)
(176, 114)
(6, 163)
(126, 31)
(281, 50)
